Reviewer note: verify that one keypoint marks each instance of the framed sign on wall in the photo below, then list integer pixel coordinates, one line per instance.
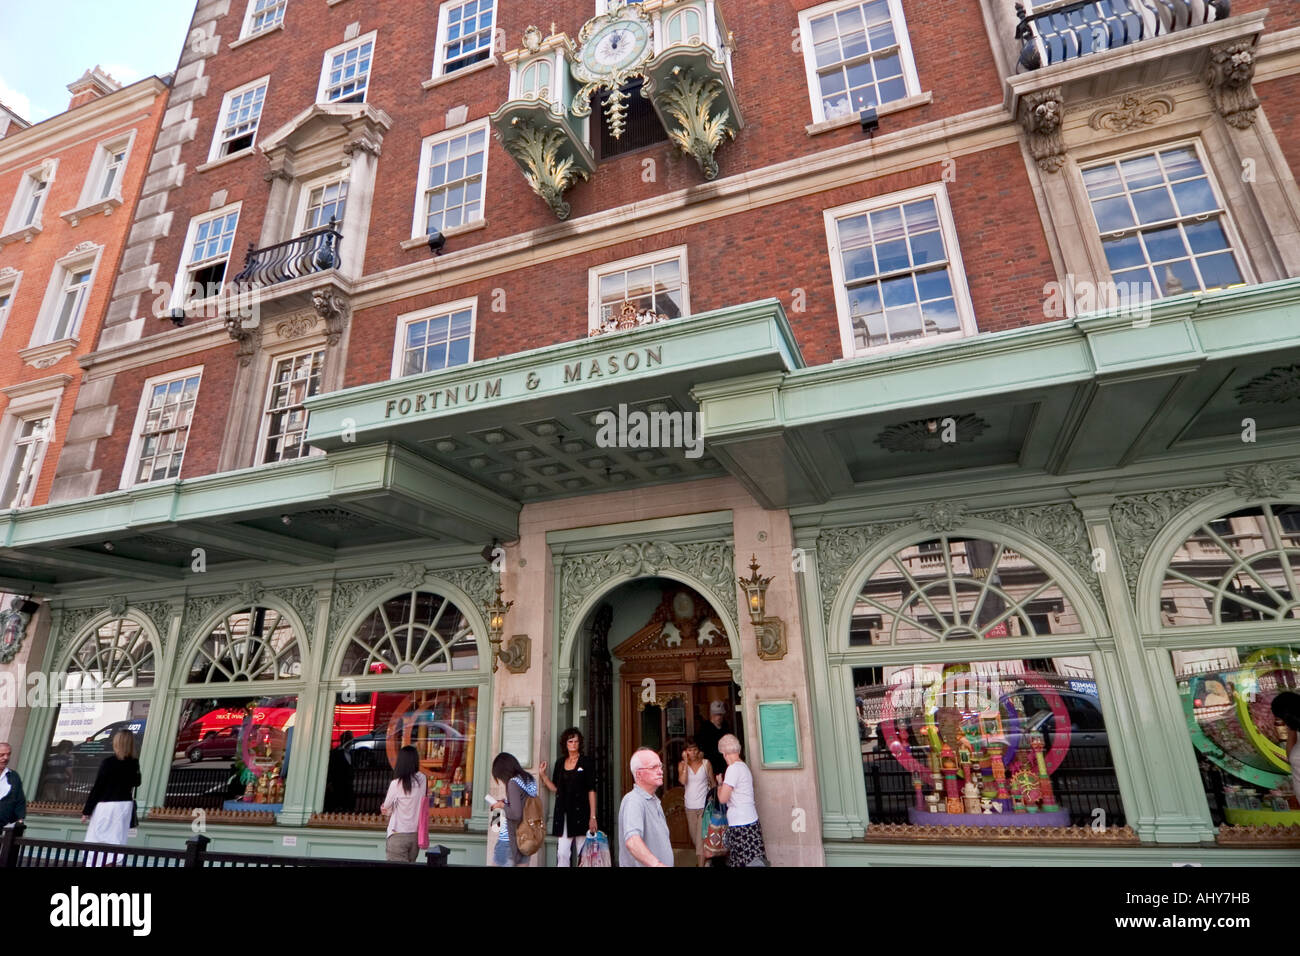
(778, 734)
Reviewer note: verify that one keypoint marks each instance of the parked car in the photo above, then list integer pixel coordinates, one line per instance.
(370, 751)
(216, 745)
(100, 744)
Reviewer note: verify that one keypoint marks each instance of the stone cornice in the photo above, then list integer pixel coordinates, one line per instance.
(156, 348)
(41, 138)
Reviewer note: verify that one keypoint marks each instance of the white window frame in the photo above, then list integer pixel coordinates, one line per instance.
(247, 29)
(44, 172)
(9, 286)
(264, 430)
(132, 462)
(93, 190)
(1236, 245)
(182, 280)
(447, 309)
(911, 81)
(595, 273)
(956, 269)
(420, 216)
(64, 269)
(440, 47)
(13, 427)
(344, 48)
(304, 199)
(218, 135)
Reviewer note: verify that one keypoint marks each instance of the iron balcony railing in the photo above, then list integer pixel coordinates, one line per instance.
(315, 251)
(1058, 32)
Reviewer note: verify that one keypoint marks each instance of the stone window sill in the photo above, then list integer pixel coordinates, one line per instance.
(234, 44)
(334, 2)
(43, 356)
(415, 242)
(102, 206)
(457, 74)
(884, 109)
(26, 234)
(222, 160)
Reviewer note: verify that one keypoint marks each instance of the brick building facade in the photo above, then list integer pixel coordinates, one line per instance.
(970, 325)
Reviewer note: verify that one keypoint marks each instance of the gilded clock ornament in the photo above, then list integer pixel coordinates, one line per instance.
(612, 49)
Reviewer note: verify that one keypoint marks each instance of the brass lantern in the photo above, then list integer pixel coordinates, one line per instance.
(770, 631)
(496, 615)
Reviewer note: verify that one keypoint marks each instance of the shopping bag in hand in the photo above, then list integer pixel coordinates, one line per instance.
(713, 826)
(595, 852)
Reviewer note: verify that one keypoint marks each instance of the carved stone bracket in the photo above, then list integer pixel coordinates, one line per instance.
(117, 606)
(1263, 480)
(538, 151)
(249, 339)
(1228, 76)
(1040, 115)
(700, 130)
(1133, 112)
(711, 562)
(410, 575)
(335, 310)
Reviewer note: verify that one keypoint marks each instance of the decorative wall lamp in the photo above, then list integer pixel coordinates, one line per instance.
(517, 655)
(770, 631)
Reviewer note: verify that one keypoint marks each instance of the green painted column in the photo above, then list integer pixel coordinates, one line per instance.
(839, 767)
(1163, 801)
(155, 748)
(305, 786)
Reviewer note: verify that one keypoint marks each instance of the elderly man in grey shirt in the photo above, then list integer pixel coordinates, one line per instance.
(642, 830)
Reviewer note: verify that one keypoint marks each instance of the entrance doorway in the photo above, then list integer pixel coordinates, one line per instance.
(656, 667)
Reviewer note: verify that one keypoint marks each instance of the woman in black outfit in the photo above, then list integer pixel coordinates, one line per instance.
(575, 800)
(110, 808)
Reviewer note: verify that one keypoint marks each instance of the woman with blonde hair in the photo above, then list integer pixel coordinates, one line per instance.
(110, 808)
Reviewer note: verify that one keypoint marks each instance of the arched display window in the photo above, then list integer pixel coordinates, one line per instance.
(106, 684)
(1234, 576)
(234, 743)
(975, 696)
(411, 673)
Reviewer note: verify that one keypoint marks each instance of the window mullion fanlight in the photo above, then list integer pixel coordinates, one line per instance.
(919, 591)
(1240, 565)
(952, 581)
(1273, 530)
(987, 584)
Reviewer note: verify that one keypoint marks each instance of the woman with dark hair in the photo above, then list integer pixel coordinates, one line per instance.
(110, 808)
(519, 784)
(405, 805)
(1286, 708)
(575, 801)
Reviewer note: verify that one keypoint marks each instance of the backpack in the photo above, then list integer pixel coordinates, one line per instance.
(531, 832)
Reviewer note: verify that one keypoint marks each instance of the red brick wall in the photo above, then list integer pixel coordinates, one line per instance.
(769, 78)
(1281, 101)
(1281, 15)
(216, 391)
(75, 150)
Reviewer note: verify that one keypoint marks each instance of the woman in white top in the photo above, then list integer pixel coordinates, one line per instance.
(693, 774)
(1286, 708)
(408, 794)
(736, 790)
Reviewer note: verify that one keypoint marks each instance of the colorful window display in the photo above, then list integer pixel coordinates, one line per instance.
(986, 743)
(369, 729)
(1226, 695)
(232, 753)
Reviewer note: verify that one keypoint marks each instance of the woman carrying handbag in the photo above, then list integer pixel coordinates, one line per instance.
(574, 787)
(110, 808)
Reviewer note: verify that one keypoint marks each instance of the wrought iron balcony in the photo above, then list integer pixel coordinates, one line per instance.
(1057, 32)
(312, 252)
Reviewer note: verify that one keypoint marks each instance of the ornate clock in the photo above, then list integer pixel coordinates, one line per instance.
(612, 49)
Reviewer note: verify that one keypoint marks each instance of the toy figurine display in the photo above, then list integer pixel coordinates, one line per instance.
(979, 759)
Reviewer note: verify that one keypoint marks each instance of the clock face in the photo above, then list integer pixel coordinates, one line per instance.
(616, 47)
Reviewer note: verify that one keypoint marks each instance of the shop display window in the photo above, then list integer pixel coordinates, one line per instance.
(413, 632)
(81, 739)
(1227, 695)
(370, 728)
(255, 644)
(986, 743)
(232, 753)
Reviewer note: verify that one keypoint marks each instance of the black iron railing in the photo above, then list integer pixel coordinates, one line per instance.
(1066, 31)
(315, 251)
(17, 850)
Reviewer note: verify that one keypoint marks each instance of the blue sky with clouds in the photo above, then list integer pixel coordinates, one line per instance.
(46, 44)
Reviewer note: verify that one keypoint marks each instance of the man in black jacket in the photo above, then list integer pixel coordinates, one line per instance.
(13, 805)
